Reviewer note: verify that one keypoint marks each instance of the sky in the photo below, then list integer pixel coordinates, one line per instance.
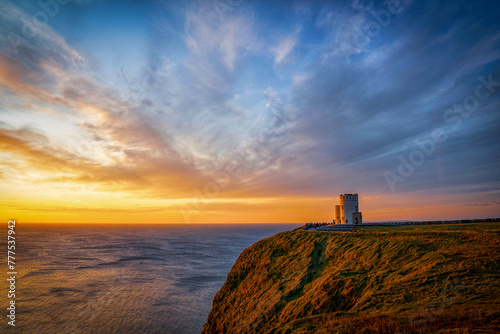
(242, 111)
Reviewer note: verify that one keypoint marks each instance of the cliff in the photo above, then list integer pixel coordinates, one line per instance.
(399, 279)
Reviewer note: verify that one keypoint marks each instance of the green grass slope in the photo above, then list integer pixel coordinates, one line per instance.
(437, 279)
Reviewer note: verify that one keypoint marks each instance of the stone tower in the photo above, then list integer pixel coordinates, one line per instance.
(348, 210)
(337, 214)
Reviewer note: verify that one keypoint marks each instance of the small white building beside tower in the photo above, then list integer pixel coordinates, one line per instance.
(348, 210)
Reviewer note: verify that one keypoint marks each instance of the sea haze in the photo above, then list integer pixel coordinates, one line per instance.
(123, 278)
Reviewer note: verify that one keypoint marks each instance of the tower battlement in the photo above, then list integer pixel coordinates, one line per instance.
(349, 197)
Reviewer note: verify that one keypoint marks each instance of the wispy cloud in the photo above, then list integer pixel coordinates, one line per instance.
(284, 49)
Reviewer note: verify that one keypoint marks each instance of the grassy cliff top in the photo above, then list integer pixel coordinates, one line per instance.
(411, 279)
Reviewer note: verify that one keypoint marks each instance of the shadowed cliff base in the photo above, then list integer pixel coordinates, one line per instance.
(414, 279)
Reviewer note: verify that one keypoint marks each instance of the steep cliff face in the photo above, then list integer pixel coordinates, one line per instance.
(406, 279)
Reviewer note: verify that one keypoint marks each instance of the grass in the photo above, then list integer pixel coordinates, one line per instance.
(408, 279)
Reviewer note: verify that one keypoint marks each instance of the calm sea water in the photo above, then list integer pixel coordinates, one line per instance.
(121, 279)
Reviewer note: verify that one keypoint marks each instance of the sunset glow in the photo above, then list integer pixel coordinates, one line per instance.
(151, 112)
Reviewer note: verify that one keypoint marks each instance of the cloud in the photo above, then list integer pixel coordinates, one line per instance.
(354, 119)
(355, 26)
(156, 175)
(124, 148)
(218, 40)
(28, 40)
(284, 48)
(127, 144)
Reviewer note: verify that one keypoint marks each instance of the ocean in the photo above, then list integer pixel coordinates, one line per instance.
(121, 278)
